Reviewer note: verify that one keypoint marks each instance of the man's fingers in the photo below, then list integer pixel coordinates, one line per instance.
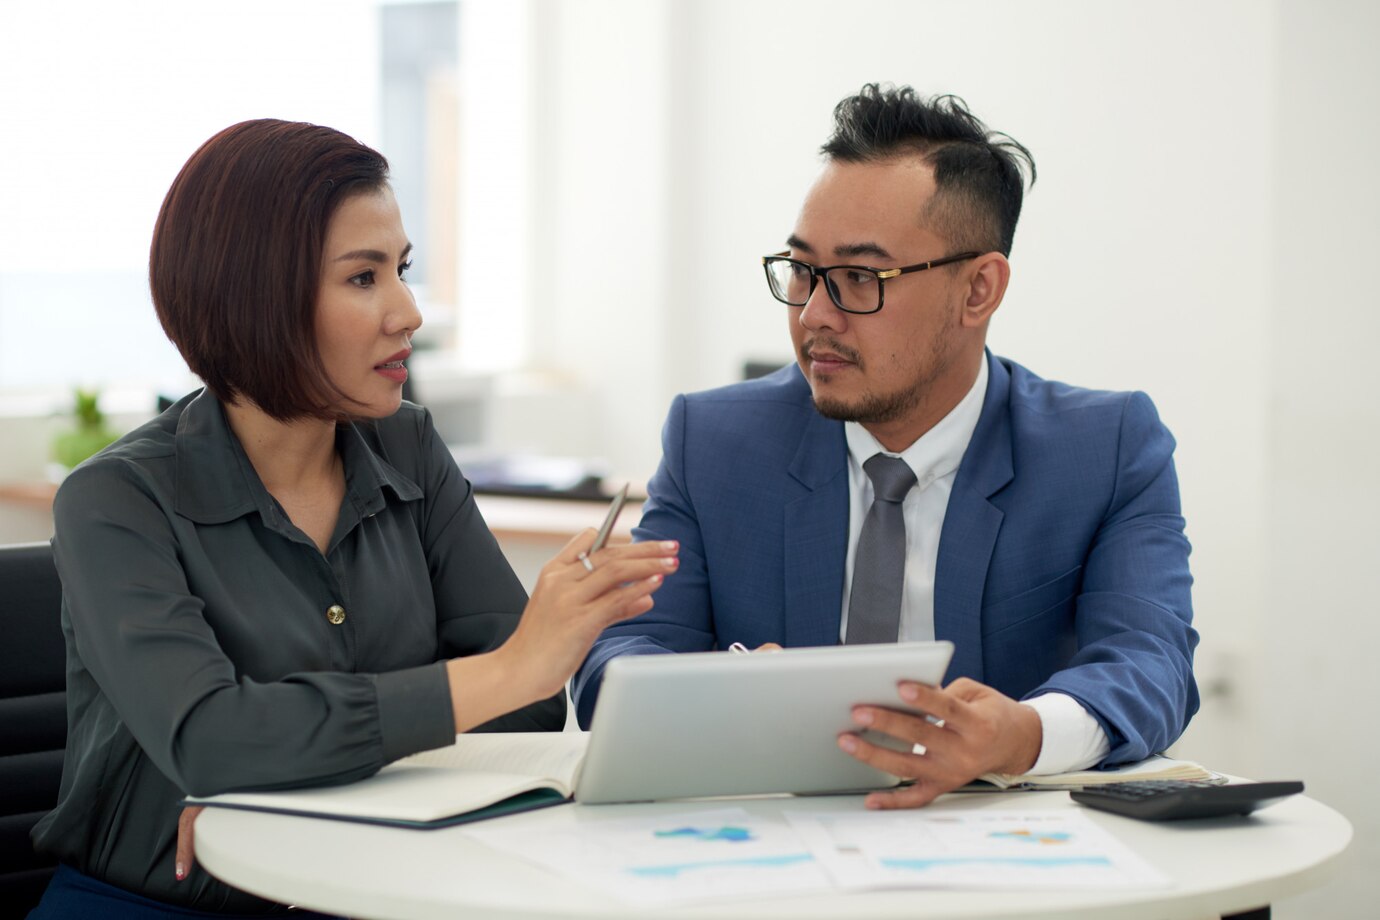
(903, 725)
(939, 703)
(897, 763)
(905, 796)
(965, 688)
(186, 853)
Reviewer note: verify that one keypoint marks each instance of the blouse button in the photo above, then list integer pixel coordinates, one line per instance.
(336, 614)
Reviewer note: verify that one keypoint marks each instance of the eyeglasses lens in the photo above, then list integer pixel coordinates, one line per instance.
(790, 282)
(854, 289)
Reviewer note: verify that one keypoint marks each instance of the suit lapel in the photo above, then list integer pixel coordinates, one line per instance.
(816, 542)
(971, 525)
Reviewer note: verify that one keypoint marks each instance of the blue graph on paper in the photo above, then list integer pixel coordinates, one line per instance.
(748, 862)
(1033, 862)
(727, 833)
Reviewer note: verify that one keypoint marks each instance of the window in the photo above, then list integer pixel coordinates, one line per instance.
(114, 108)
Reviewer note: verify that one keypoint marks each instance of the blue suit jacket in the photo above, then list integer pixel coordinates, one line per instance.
(1062, 563)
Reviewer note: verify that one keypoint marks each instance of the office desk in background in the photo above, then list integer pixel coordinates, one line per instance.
(1220, 866)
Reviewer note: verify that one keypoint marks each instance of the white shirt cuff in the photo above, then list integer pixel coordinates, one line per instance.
(1072, 738)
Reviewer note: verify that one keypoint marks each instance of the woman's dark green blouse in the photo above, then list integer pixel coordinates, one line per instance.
(212, 647)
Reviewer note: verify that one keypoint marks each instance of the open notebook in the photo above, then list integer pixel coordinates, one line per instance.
(1155, 767)
(481, 776)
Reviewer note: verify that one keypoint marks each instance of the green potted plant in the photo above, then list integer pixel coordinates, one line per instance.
(90, 435)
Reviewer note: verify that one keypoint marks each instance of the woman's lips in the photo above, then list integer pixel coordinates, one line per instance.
(392, 366)
(393, 370)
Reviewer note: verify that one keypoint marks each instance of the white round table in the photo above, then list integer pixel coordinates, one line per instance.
(1218, 866)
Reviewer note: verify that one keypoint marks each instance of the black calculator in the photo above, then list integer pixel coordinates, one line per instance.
(1172, 800)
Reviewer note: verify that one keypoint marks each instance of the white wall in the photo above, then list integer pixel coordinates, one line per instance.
(1198, 231)
(1318, 631)
(100, 105)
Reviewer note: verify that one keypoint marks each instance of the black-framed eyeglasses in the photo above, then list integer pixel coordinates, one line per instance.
(852, 288)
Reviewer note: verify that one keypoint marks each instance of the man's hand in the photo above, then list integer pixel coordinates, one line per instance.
(979, 730)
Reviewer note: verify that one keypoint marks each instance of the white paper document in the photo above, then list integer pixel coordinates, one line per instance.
(970, 849)
(689, 856)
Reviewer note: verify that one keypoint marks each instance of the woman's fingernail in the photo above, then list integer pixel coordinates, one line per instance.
(669, 545)
(910, 692)
(670, 562)
(862, 716)
(848, 743)
(655, 579)
(181, 872)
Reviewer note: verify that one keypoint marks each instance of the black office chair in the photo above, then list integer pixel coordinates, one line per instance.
(33, 717)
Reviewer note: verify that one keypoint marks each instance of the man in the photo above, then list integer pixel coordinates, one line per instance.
(903, 483)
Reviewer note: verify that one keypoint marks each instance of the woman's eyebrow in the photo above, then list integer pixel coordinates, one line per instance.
(370, 255)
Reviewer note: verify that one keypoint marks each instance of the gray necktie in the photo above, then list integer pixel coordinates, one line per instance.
(879, 568)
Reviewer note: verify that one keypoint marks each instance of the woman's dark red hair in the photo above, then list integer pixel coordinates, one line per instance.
(236, 259)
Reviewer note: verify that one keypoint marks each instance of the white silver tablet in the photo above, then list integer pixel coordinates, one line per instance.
(715, 723)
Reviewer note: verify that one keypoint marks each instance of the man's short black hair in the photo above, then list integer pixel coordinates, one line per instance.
(977, 172)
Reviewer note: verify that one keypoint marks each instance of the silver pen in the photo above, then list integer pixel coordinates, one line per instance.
(606, 528)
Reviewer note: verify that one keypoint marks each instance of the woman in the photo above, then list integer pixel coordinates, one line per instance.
(283, 580)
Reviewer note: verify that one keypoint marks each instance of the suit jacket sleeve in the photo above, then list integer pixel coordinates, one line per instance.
(1133, 668)
(682, 620)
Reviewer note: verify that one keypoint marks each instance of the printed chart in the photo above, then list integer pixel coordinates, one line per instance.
(697, 855)
(977, 849)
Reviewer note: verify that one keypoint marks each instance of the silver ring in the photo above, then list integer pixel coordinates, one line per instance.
(584, 561)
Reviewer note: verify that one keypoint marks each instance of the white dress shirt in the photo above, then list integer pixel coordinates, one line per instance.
(1072, 738)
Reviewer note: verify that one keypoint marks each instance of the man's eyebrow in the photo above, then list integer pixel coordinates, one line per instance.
(862, 249)
(852, 250)
(369, 255)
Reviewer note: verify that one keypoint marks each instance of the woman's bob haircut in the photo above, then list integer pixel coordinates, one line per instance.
(236, 260)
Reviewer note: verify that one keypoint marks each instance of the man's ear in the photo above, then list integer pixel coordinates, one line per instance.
(987, 280)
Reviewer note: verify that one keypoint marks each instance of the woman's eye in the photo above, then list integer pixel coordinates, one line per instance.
(404, 268)
(363, 279)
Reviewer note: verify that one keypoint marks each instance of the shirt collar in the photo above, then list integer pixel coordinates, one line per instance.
(939, 451)
(217, 483)
(366, 473)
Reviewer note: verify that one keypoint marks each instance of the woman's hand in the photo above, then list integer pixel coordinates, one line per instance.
(186, 853)
(571, 604)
